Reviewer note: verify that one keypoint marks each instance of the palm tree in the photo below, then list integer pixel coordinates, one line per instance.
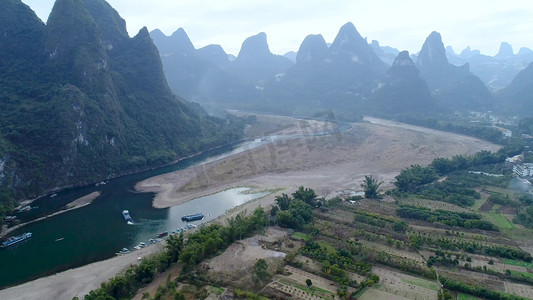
(371, 186)
(174, 246)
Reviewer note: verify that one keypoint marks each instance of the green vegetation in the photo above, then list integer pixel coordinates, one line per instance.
(418, 240)
(411, 178)
(517, 263)
(295, 212)
(461, 219)
(89, 111)
(371, 186)
(378, 220)
(461, 296)
(500, 220)
(309, 288)
(423, 283)
(301, 235)
(500, 199)
(476, 290)
(522, 274)
(483, 132)
(260, 273)
(335, 262)
(525, 217)
(201, 244)
(240, 294)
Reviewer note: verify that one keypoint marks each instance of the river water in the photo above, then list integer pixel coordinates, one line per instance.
(97, 231)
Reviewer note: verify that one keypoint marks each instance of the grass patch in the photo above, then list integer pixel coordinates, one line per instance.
(423, 283)
(360, 293)
(524, 274)
(302, 236)
(479, 203)
(329, 247)
(517, 263)
(462, 296)
(500, 220)
(498, 190)
(216, 290)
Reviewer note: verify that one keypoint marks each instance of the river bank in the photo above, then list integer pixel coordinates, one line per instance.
(327, 164)
(78, 203)
(80, 281)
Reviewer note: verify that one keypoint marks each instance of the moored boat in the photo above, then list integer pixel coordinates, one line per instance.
(16, 239)
(193, 217)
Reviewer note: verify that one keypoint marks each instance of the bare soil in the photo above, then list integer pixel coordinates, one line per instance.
(235, 265)
(401, 285)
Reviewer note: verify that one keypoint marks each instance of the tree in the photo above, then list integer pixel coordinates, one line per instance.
(307, 195)
(371, 186)
(174, 246)
(260, 272)
(309, 283)
(283, 201)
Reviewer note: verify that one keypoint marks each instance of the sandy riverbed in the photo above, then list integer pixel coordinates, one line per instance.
(328, 164)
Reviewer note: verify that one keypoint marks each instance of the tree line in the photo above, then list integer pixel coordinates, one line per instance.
(204, 243)
(451, 218)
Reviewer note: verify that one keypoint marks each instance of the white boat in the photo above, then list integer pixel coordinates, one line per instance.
(127, 217)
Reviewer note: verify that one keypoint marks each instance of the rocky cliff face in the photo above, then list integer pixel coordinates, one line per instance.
(94, 103)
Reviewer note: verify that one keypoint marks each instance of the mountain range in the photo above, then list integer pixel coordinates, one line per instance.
(496, 71)
(81, 101)
(347, 76)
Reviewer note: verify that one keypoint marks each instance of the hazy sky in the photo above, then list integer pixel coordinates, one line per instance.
(480, 24)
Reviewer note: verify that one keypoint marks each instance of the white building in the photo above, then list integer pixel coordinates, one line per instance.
(523, 170)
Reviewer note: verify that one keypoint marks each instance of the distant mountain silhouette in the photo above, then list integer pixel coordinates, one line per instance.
(291, 55)
(498, 71)
(177, 43)
(453, 87)
(256, 63)
(517, 96)
(403, 90)
(505, 52)
(214, 54)
(313, 50)
(205, 75)
(385, 53)
(336, 77)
